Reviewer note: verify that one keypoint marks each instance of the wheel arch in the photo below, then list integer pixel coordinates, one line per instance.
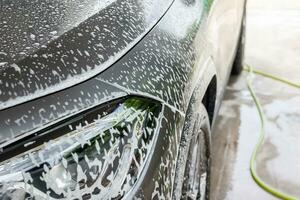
(209, 98)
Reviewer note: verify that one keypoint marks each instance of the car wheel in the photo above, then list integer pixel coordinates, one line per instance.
(237, 67)
(193, 183)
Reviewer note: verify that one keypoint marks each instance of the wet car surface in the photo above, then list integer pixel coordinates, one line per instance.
(271, 46)
(108, 99)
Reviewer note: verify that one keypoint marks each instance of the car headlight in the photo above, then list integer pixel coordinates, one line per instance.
(103, 156)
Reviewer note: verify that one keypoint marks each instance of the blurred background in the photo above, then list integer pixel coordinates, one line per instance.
(273, 46)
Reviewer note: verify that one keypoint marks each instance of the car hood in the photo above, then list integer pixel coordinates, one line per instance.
(49, 45)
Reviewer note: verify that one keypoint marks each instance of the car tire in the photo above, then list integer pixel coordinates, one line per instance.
(237, 66)
(193, 167)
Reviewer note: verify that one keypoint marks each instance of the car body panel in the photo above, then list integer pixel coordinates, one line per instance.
(20, 121)
(223, 28)
(189, 46)
(47, 46)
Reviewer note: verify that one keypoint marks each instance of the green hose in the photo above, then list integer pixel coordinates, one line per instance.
(254, 174)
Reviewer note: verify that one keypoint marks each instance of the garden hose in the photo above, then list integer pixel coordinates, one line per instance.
(258, 146)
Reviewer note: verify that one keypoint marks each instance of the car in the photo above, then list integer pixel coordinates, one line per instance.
(113, 99)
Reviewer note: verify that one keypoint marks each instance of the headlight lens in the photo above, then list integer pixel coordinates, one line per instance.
(103, 158)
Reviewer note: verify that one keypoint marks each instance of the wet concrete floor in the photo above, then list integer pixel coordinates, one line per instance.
(273, 46)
